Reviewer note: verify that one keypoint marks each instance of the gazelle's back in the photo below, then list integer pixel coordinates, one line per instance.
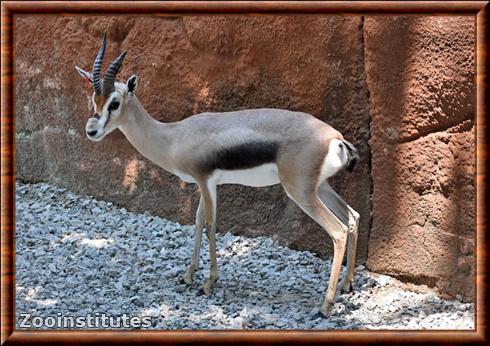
(268, 122)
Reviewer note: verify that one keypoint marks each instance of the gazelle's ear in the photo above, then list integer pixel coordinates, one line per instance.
(87, 76)
(132, 84)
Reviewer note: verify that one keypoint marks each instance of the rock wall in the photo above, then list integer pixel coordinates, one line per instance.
(422, 106)
(400, 88)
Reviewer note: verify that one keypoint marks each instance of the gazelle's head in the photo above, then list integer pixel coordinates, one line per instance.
(109, 98)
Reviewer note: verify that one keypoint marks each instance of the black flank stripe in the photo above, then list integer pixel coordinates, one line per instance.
(243, 156)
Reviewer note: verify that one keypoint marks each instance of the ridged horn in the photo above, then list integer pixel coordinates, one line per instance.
(110, 75)
(97, 66)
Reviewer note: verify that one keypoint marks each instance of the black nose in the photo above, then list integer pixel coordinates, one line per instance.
(91, 133)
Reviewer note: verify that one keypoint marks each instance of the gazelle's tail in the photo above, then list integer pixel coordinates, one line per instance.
(352, 155)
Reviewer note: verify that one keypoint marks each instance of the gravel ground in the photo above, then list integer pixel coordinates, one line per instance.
(78, 256)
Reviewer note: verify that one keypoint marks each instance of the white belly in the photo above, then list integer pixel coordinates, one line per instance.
(263, 175)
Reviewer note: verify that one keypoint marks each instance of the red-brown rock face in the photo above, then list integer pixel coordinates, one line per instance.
(422, 96)
(406, 83)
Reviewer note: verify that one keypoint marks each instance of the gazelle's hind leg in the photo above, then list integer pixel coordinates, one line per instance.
(349, 217)
(308, 200)
(188, 275)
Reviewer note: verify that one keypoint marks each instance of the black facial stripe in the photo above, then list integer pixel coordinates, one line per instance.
(242, 156)
(107, 120)
(109, 111)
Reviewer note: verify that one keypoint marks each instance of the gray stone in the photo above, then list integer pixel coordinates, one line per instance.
(254, 291)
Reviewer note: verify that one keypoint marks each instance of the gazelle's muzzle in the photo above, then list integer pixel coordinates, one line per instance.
(93, 129)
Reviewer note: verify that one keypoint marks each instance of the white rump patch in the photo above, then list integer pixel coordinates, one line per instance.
(334, 160)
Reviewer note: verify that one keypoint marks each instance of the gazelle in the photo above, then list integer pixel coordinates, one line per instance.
(256, 147)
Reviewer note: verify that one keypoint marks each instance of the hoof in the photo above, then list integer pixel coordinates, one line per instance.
(203, 291)
(347, 287)
(208, 286)
(318, 315)
(186, 279)
(323, 312)
(188, 276)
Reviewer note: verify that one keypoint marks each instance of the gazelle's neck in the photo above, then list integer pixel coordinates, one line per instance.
(149, 136)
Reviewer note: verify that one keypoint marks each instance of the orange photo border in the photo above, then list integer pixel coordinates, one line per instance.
(9, 9)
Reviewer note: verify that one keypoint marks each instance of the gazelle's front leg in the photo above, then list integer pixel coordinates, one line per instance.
(208, 191)
(189, 274)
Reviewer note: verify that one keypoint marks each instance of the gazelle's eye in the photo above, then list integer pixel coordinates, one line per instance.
(113, 106)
